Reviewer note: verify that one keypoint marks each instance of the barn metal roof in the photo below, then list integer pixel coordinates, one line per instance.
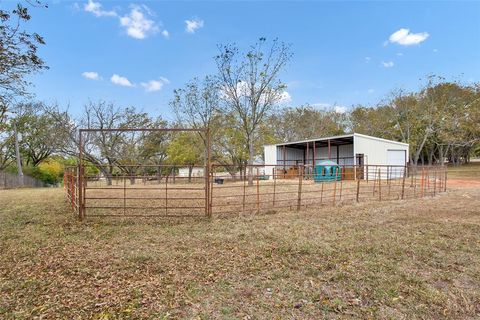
(337, 140)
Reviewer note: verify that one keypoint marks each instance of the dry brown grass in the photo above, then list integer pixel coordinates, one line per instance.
(389, 260)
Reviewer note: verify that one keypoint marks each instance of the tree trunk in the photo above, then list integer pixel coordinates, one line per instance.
(190, 169)
(132, 178)
(250, 162)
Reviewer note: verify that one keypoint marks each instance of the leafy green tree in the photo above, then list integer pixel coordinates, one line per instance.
(184, 150)
(18, 54)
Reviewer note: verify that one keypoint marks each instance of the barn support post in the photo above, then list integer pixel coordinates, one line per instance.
(284, 161)
(329, 150)
(314, 155)
(308, 159)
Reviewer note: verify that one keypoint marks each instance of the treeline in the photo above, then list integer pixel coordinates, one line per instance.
(440, 122)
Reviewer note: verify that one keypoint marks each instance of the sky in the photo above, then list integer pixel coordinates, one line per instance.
(345, 53)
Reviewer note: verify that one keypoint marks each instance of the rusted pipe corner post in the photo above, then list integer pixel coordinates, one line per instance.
(403, 181)
(81, 212)
(300, 179)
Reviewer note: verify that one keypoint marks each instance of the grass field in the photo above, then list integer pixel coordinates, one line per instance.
(390, 260)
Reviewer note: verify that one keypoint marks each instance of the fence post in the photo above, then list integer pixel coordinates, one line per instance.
(274, 184)
(379, 184)
(335, 188)
(258, 194)
(403, 181)
(244, 189)
(299, 197)
(358, 188)
(445, 181)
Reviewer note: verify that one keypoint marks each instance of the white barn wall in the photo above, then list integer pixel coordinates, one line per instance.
(375, 152)
(270, 153)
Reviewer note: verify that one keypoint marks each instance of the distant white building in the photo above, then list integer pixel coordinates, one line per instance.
(196, 172)
(350, 151)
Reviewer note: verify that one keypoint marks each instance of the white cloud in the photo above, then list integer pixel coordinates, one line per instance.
(192, 25)
(387, 64)
(91, 75)
(435, 50)
(166, 34)
(285, 97)
(406, 38)
(137, 23)
(121, 81)
(96, 9)
(155, 85)
(340, 109)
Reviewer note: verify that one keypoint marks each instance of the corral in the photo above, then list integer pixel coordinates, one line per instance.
(220, 190)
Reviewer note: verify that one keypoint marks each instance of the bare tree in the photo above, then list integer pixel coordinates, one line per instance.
(198, 104)
(250, 85)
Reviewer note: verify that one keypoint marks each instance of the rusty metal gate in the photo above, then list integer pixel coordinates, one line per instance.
(139, 190)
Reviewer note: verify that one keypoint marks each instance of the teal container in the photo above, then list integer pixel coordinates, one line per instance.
(326, 170)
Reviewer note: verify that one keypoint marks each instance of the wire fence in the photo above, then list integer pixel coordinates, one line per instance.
(228, 190)
(11, 181)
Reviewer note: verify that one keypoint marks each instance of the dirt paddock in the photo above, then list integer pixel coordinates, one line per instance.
(418, 258)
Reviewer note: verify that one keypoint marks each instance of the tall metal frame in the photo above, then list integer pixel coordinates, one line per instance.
(81, 169)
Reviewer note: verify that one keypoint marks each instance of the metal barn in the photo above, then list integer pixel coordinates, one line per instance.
(350, 151)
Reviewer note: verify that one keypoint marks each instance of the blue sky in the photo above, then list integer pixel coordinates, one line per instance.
(345, 53)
